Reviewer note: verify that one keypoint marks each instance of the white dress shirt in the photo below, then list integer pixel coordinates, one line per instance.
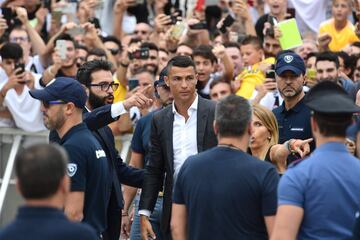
(184, 136)
(184, 140)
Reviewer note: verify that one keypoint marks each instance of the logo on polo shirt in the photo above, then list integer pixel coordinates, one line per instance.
(288, 58)
(100, 154)
(297, 129)
(71, 169)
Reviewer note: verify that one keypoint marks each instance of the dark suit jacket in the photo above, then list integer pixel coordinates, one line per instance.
(161, 160)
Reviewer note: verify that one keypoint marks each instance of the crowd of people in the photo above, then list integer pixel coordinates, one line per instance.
(234, 135)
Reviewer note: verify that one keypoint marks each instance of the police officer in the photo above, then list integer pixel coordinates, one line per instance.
(293, 115)
(63, 101)
(318, 197)
(42, 181)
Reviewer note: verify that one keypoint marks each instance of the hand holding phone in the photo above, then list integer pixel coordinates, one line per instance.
(228, 21)
(20, 66)
(61, 47)
(142, 53)
(133, 83)
(198, 26)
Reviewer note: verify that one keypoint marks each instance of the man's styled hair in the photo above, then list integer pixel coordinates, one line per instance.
(232, 44)
(252, 40)
(113, 39)
(328, 56)
(40, 169)
(218, 81)
(204, 51)
(232, 111)
(84, 72)
(11, 51)
(99, 52)
(150, 46)
(180, 61)
(333, 125)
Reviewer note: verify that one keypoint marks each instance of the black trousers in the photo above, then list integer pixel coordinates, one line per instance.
(113, 220)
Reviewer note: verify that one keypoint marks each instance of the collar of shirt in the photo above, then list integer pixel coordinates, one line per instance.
(193, 106)
(332, 146)
(87, 109)
(297, 108)
(72, 131)
(34, 212)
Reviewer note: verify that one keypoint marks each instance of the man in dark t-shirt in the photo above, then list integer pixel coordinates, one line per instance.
(42, 181)
(224, 192)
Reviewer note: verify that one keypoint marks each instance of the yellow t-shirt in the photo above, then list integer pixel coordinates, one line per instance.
(340, 39)
(251, 78)
(119, 94)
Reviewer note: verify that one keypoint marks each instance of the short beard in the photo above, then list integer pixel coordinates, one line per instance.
(70, 66)
(151, 68)
(57, 122)
(95, 101)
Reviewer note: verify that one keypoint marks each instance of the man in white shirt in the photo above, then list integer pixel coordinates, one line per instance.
(29, 39)
(15, 84)
(180, 130)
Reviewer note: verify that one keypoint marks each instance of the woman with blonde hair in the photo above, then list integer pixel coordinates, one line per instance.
(265, 136)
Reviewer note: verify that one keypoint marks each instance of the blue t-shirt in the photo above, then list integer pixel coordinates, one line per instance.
(141, 137)
(227, 193)
(45, 223)
(88, 170)
(327, 186)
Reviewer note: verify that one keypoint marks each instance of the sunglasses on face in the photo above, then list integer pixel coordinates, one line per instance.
(105, 86)
(47, 104)
(114, 51)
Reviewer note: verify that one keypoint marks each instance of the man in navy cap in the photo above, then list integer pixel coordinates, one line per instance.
(293, 115)
(63, 101)
(318, 197)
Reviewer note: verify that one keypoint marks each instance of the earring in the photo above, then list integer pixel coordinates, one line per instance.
(269, 138)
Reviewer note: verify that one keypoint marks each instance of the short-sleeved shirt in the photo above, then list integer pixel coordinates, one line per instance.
(45, 223)
(340, 39)
(120, 92)
(227, 194)
(326, 185)
(294, 123)
(250, 78)
(88, 170)
(141, 137)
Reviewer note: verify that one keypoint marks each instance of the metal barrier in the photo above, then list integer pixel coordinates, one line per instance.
(18, 139)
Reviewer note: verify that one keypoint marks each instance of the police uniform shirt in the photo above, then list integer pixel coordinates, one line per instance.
(294, 123)
(88, 170)
(326, 186)
(45, 223)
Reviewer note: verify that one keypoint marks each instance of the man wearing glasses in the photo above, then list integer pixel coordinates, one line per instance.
(96, 76)
(63, 101)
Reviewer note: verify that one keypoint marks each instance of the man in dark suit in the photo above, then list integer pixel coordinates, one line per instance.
(97, 77)
(178, 131)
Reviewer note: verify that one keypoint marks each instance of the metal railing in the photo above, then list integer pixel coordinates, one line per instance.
(18, 139)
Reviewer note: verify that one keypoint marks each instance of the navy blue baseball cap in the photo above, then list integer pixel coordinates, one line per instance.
(62, 88)
(162, 75)
(329, 98)
(290, 61)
